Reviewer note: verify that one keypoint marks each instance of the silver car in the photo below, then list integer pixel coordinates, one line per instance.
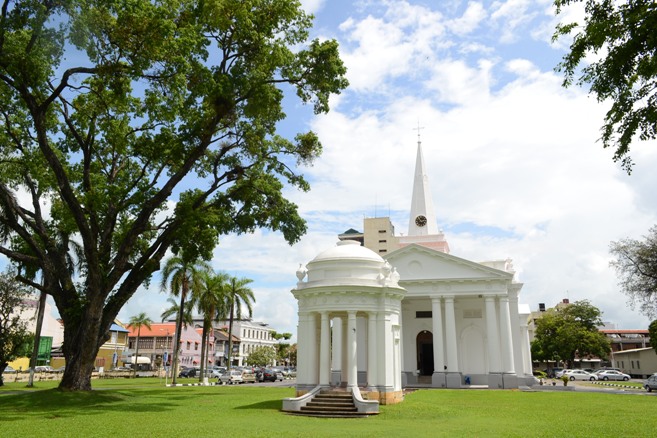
(579, 375)
(650, 383)
(612, 375)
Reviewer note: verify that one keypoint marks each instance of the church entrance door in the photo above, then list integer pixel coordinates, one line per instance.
(425, 353)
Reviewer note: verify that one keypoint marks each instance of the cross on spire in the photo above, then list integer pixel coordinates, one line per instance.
(418, 131)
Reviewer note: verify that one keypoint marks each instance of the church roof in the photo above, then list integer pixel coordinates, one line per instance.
(442, 265)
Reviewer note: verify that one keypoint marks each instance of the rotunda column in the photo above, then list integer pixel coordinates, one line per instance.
(372, 359)
(352, 343)
(336, 352)
(324, 350)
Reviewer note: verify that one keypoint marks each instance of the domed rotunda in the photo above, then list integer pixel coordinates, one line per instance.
(349, 324)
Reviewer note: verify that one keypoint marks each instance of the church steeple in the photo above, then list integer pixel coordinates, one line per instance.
(423, 217)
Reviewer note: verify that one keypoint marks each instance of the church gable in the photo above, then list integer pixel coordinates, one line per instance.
(416, 262)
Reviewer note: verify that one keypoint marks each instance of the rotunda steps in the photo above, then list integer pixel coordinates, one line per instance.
(331, 404)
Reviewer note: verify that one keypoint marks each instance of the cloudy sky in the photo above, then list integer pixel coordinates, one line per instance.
(512, 157)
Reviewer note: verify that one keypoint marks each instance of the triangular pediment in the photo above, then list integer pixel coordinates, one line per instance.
(418, 263)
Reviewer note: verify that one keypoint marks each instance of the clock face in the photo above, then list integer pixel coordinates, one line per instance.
(420, 221)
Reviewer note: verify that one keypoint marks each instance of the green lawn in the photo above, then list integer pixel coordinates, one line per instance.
(144, 408)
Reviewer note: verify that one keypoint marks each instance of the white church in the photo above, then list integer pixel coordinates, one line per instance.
(380, 312)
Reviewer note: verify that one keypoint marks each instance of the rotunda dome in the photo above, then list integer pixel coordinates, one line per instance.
(348, 250)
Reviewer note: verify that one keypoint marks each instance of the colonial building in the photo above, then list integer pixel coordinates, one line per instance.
(403, 311)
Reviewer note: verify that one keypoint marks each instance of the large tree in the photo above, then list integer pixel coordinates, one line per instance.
(652, 332)
(616, 46)
(142, 127)
(15, 340)
(569, 332)
(636, 267)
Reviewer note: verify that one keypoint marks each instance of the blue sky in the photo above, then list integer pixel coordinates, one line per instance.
(512, 158)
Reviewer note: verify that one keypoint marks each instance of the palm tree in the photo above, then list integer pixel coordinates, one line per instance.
(185, 276)
(139, 321)
(211, 303)
(188, 317)
(237, 295)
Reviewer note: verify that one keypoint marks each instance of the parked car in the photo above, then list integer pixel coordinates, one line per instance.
(650, 383)
(579, 375)
(188, 372)
(248, 376)
(612, 375)
(44, 369)
(9, 370)
(560, 373)
(231, 377)
(552, 372)
(121, 369)
(60, 369)
(268, 375)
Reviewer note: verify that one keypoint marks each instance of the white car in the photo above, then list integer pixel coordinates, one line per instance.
(231, 377)
(579, 375)
(561, 373)
(612, 375)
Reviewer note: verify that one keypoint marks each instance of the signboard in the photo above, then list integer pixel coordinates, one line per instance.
(165, 357)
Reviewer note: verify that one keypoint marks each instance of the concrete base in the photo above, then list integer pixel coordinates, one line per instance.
(438, 380)
(510, 381)
(336, 377)
(496, 381)
(453, 380)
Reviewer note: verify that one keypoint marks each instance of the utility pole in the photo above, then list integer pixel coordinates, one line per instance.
(37, 337)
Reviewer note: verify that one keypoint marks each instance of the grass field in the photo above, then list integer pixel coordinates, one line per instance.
(144, 408)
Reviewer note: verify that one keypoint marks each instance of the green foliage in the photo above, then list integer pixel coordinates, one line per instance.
(636, 267)
(652, 332)
(569, 332)
(145, 127)
(621, 34)
(262, 356)
(15, 340)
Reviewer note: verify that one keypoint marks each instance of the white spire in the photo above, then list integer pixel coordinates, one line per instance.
(423, 217)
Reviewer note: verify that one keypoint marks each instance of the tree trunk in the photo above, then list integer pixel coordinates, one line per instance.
(82, 340)
(136, 364)
(204, 337)
(176, 345)
(230, 336)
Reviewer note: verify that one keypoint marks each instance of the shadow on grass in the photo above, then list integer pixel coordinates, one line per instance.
(52, 403)
(271, 405)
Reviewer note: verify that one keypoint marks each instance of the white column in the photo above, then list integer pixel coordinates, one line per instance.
(336, 350)
(493, 336)
(526, 351)
(352, 343)
(372, 380)
(302, 359)
(438, 337)
(450, 334)
(311, 348)
(324, 350)
(505, 337)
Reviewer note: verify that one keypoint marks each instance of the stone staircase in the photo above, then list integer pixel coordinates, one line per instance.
(331, 404)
